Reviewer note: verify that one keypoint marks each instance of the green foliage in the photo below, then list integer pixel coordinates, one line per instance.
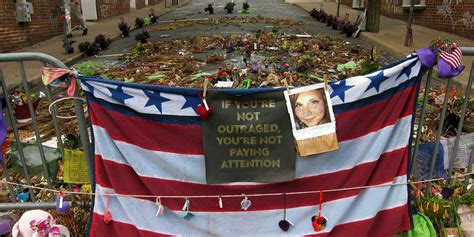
(147, 20)
(467, 198)
(88, 68)
(369, 64)
(72, 142)
(366, 66)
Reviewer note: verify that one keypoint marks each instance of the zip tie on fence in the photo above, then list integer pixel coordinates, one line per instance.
(61, 99)
(236, 195)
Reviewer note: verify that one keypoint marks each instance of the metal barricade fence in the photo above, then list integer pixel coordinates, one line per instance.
(51, 61)
(46, 60)
(467, 51)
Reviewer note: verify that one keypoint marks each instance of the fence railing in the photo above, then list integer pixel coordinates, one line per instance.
(467, 51)
(47, 60)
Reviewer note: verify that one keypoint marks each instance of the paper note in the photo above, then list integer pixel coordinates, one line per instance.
(75, 167)
(466, 143)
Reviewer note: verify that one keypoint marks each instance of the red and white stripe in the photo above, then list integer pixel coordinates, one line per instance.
(136, 156)
(454, 58)
(374, 212)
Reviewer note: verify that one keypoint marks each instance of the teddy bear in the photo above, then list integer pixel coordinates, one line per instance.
(38, 223)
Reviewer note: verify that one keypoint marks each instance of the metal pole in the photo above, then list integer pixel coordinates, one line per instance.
(469, 51)
(409, 35)
(438, 135)
(65, 27)
(469, 169)
(338, 6)
(7, 178)
(56, 128)
(33, 56)
(460, 125)
(35, 127)
(414, 155)
(55, 119)
(19, 147)
(27, 206)
(84, 134)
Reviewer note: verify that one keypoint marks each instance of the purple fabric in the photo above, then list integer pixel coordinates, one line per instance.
(446, 71)
(427, 57)
(3, 130)
(5, 226)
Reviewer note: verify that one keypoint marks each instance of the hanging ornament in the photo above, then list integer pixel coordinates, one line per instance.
(76, 189)
(161, 208)
(245, 203)
(107, 215)
(219, 202)
(319, 221)
(203, 109)
(285, 224)
(23, 197)
(62, 206)
(186, 213)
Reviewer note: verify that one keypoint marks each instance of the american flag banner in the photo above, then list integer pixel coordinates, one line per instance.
(148, 144)
(453, 58)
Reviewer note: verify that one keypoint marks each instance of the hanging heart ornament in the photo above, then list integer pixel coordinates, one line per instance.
(203, 110)
(285, 224)
(62, 206)
(318, 222)
(245, 204)
(23, 197)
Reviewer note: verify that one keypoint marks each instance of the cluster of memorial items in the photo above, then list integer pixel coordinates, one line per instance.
(344, 26)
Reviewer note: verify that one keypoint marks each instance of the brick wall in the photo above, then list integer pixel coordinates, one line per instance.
(347, 2)
(111, 8)
(153, 2)
(456, 18)
(140, 3)
(45, 23)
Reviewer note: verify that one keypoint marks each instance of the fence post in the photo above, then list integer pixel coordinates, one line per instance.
(460, 125)
(438, 135)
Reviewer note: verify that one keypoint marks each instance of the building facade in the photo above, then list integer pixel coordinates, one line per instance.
(453, 16)
(45, 21)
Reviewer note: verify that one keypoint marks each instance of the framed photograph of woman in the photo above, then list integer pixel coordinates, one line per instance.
(312, 119)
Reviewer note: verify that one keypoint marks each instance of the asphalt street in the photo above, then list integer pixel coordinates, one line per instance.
(194, 10)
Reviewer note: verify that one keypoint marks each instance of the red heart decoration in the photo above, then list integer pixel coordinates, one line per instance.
(203, 113)
(107, 217)
(318, 222)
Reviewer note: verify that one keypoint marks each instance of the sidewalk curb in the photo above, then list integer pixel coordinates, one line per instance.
(438, 81)
(299, 6)
(365, 36)
(372, 39)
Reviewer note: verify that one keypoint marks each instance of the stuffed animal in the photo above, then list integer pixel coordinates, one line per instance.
(38, 223)
(124, 27)
(229, 7)
(142, 37)
(209, 9)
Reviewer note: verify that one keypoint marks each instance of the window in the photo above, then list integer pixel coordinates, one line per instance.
(358, 4)
(418, 3)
